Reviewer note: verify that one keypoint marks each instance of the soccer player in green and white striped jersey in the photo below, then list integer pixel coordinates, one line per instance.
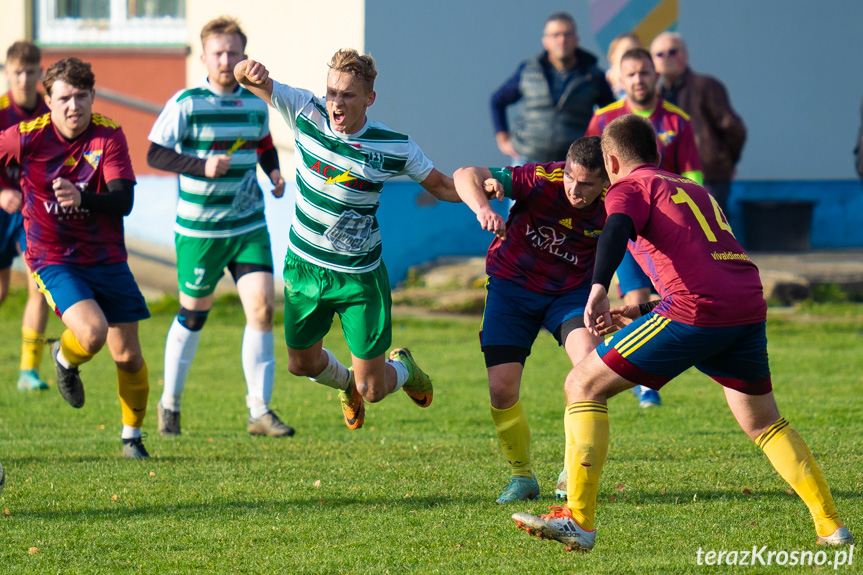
(334, 261)
(214, 135)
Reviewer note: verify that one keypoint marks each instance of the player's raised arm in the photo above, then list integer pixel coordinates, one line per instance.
(256, 78)
(474, 186)
(440, 186)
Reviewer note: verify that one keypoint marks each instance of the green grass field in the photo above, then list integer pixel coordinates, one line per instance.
(413, 491)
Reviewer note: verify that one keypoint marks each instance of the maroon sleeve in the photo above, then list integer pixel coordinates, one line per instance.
(116, 163)
(630, 198)
(10, 154)
(593, 128)
(523, 178)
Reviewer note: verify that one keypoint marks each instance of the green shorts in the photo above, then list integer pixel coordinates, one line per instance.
(313, 294)
(201, 262)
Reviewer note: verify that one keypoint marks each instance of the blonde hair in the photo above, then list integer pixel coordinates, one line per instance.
(360, 66)
(223, 25)
(618, 40)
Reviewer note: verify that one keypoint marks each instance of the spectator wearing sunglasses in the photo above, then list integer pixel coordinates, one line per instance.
(719, 131)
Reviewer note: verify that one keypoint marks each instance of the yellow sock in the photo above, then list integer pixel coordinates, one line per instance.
(133, 389)
(72, 350)
(586, 424)
(513, 432)
(32, 345)
(790, 456)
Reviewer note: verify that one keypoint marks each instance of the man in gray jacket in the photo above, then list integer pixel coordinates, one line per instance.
(557, 91)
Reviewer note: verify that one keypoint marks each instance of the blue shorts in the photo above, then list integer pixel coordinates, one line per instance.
(653, 350)
(630, 277)
(513, 315)
(112, 286)
(12, 237)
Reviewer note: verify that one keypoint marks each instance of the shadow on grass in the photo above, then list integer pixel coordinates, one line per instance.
(697, 496)
(231, 508)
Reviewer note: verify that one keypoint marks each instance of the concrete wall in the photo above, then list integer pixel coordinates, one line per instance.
(294, 39)
(790, 67)
(13, 25)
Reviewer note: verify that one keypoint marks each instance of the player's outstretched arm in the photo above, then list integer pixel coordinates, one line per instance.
(255, 76)
(440, 186)
(474, 186)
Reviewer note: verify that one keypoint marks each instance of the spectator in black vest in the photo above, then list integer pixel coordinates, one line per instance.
(557, 91)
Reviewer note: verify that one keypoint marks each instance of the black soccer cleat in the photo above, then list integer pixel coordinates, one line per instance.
(134, 449)
(68, 380)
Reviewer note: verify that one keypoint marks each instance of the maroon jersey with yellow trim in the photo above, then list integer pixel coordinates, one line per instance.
(674, 135)
(550, 246)
(11, 114)
(72, 236)
(704, 276)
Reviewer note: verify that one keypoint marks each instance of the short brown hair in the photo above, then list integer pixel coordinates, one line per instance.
(72, 71)
(587, 153)
(637, 54)
(360, 66)
(24, 52)
(223, 25)
(632, 139)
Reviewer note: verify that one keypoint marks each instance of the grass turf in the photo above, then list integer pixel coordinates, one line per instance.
(414, 490)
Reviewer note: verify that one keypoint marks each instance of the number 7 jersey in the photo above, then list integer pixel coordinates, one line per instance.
(688, 249)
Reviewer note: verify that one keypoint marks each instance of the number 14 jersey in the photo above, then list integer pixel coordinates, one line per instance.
(686, 246)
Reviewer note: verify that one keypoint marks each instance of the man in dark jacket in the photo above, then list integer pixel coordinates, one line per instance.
(719, 131)
(557, 91)
(858, 154)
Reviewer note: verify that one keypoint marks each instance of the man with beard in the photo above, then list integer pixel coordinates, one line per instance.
(676, 143)
(213, 135)
(538, 266)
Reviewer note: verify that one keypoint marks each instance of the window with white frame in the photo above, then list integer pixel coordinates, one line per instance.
(111, 22)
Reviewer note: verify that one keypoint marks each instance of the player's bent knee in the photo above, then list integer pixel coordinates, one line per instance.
(193, 320)
(302, 367)
(131, 363)
(91, 337)
(371, 393)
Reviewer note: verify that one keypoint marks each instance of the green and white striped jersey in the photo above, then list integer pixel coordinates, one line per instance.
(202, 123)
(339, 182)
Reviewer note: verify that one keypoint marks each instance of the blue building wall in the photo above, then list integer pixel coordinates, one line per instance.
(416, 228)
(837, 209)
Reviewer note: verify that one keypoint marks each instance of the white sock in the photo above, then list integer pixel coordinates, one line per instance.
(401, 373)
(180, 348)
(61, 359)
(335, 375)
(259, 366)
(130, 432)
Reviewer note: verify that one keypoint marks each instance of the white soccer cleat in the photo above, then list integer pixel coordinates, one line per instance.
(839, 537)
(558, 525)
